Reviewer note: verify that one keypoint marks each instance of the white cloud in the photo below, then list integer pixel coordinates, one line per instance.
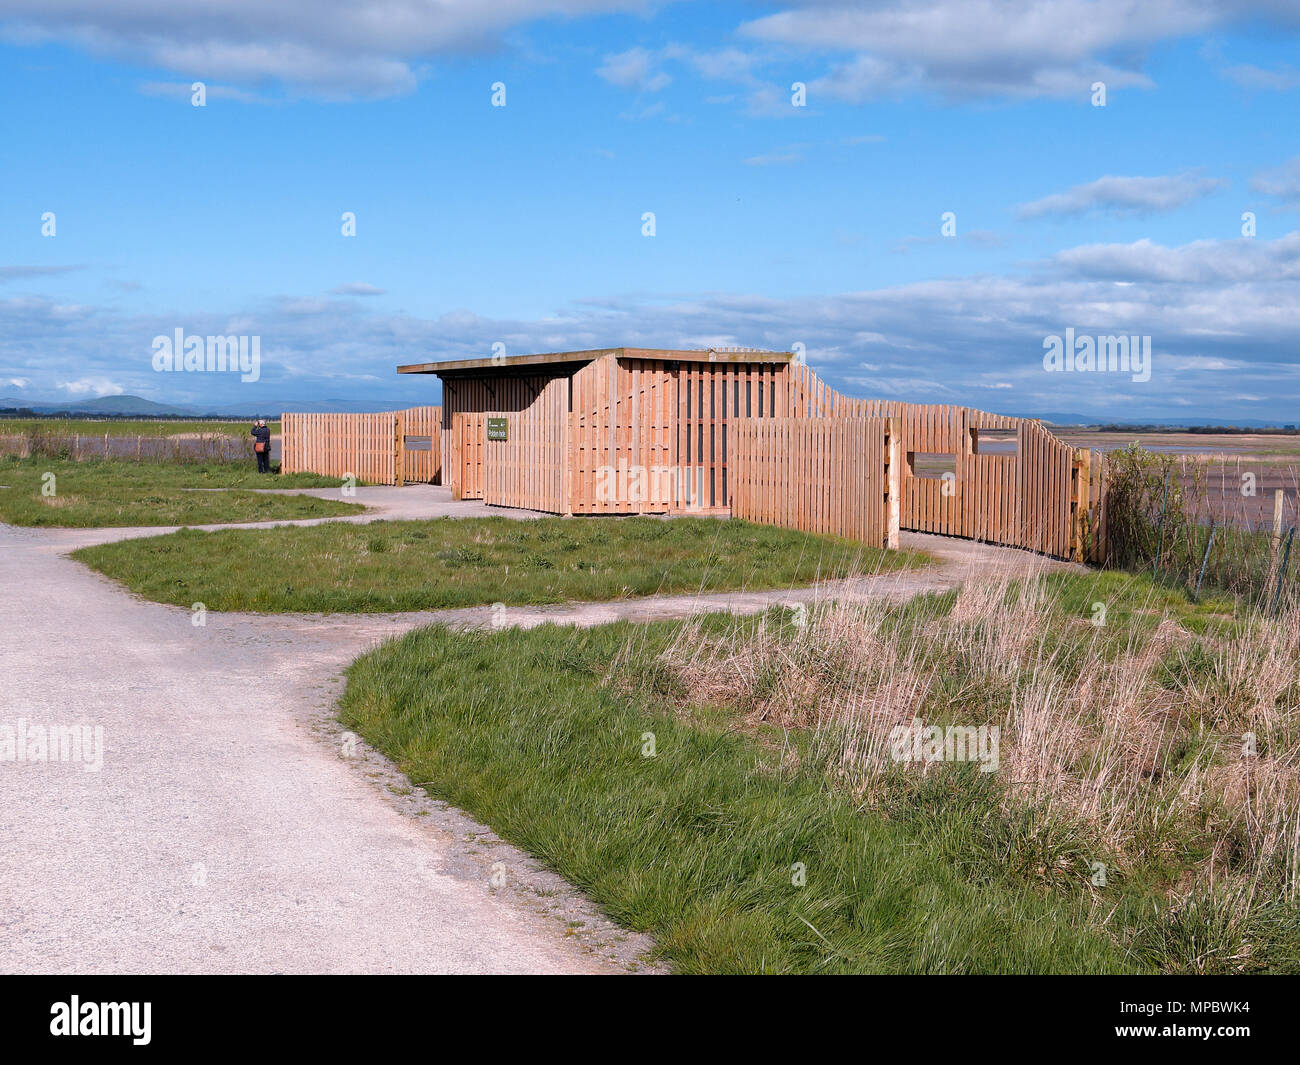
(774, 159)
(184, 91)
(23, 273)
(1249, 76)
(1282, 182)
(1213, 309)
(332, 48)
(86, 386)
(1207, 262)
(634, 69)
(357, 288)
(991, 48)
(1123, 195)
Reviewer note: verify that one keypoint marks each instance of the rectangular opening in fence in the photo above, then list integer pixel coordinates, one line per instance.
(417, 443)
(993, 442)
(931, 464)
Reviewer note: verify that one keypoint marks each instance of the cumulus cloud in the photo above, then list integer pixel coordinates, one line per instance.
(991, 48)
(90, 386)
(323, 47)
(1206, 262)
(1120, 195)
(1210, 307)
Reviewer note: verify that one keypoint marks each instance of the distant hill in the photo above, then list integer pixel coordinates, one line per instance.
(1167, 423)
(130, 405)
(139, 407)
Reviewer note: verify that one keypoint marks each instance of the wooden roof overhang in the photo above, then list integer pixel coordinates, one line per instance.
(567, 361)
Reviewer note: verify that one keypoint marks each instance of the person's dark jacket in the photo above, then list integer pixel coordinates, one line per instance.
(262, 435)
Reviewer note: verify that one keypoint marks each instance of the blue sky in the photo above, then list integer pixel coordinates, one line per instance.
(775, 224)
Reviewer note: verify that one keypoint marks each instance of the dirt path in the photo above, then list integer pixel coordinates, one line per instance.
(232, 827)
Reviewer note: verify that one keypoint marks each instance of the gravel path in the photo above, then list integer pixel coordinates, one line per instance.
(231, 826)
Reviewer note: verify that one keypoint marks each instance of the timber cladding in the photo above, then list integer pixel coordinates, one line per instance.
(823, 475)
(743, 432)
(391, 447)
(624, 432)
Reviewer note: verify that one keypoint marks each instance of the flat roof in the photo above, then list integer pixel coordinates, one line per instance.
(559, 358)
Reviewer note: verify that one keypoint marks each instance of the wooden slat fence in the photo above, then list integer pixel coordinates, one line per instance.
(371, 447)
(424, 465)
(527, 468)
(1044, 495)
(820, 475)
(468, 438)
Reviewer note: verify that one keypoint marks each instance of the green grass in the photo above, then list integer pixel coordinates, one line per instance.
(699, 844)
(423, 565)
(98, 493)
(541, 734)
(127, 426)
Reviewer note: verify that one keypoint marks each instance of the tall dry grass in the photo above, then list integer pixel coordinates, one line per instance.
(200, 448)
(1129, 740)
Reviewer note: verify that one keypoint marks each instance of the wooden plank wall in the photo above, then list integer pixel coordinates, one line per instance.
(1046, 497)
(336, 445)
(649, 436)
(820, 475)
(468, 437)
(527, 468)
(710, 398)
(424, 466)
(365, 445)
(1045, 489)
(478, 395)
(621, 449)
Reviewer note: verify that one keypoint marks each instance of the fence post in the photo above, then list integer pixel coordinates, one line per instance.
(1080, 502)
(1275, 543)
(1102, 548)
(1281, 573)
(399, 448)
(1196, 595)
(893, 478)
(454, 453)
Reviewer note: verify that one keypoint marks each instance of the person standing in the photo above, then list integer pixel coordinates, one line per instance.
(262, 445)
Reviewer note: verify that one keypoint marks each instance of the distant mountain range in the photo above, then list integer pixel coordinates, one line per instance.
(137, 406)
(1171, 423)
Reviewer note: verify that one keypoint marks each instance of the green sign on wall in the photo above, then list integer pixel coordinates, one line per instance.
(497, 428)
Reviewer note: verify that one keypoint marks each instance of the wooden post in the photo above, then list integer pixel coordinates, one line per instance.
(894, 480)
(455, 470)
(1080, 504)
(399, 448)
(1102, 549)
(567, 456)
(1275, 543)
